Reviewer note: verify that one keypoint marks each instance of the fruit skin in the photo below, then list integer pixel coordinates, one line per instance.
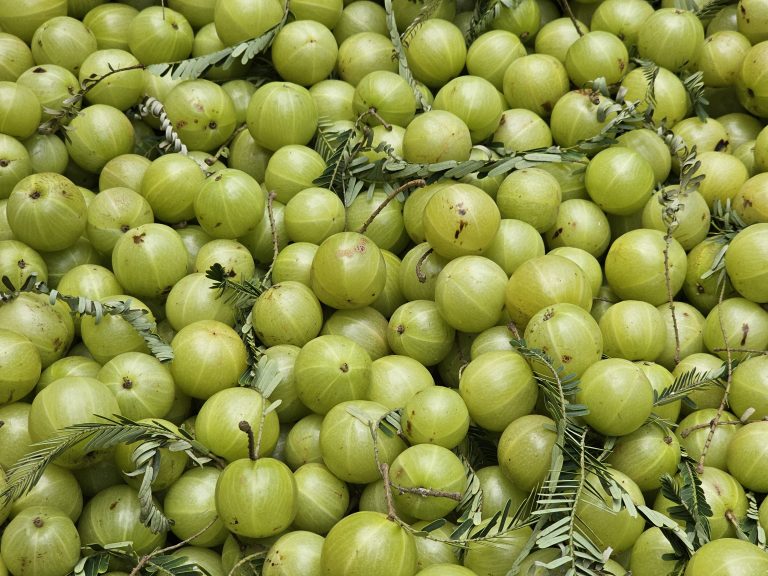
(746, 456)
(40, 541)
(525, 450)
(727, 557)
(382, 547)
(20, 366)
(256, 498)
(746, 262)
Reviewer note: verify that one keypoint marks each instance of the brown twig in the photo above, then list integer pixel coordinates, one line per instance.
(147, 558)
(729, 380)
(273, 227)
(391, 512)
(420, 263)
(566, 7)
(391, 196)
(426, 492)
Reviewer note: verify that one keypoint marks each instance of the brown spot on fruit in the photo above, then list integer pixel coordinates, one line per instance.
(127, 383)
(462, 224)
(139, 238)
(557, 232)
(4, 163)
(344, 367)
(21, 264)
(35, 194)
(212, 125)
(566, 358)
(721, 145)
(38, 522)
(400, 329)
(744, 333)
(124, 228)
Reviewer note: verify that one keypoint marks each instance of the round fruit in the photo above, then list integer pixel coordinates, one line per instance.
(142, 385)
(281, 113)
(323, 499)
(525, 450)
(436, 52)
(436, 415)
(531, 195)
(746, 456)
(304, 52)
(746, 262)
(694, 431)
(646, 454)
(618, 395)
(20, 366)
(634, 330)
(98, 134)
(202, 113)
(190, 503)
(727, 557)
(437, 136)
(295, 552)
(417, 329)
(619, 180)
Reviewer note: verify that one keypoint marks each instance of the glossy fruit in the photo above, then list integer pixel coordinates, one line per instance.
(694, 433)
(748, 276)
(281, 113)
(366, 326)
(618, 395)
(541, 96)
(190, 502)
(646, 454)
(436, 415)
(727, 557)
(20, 366)
(256, 498)
(417, 329)
(331, 369)
(619, 180)
(323, 499)
(670, 37)
(634, 330)
(142, 385)
(525, 450)
(304, 52)
(98, 134)
(745, 456)
(112, 515)
(208, 357)
(436, 136)
(531, 195)
(748, 387)
(346, 441)
(159, 34)
(339, 264)
(436, 52)
(40, 540)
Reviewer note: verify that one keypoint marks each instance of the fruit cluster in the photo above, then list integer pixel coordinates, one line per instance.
(398, 287)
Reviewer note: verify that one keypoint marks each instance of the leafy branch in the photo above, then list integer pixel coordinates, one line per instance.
(689, 504)
(98, 436)
(688, 382)
(138, 318)
(402, 62)
(244, 52)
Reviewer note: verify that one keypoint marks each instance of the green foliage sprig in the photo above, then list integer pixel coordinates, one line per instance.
(24, 474)
(80, 306)
(244, 52)
(690, 505)
(688, 382)
(402, 62)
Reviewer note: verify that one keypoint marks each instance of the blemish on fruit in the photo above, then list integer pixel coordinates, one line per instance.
(124, 228)
(38, 70)
(4, 163)
(212, 125)
(721, 145)
(344, 367)
(38, 522)
(565, 358)
(139, 238)
(745, 333)
(35, 194)
(21, 264)
(400, 329)
(557, 232)
(127, 383)
(462, 224)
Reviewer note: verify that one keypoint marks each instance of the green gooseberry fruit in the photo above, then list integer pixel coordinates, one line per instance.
(387, 229)
(281, 113)
(391, 296)
(475, 101)
(256, 498)
(661, 378)
(57, 488)
(112, 213)
(745, 262)
(515, 242)
(531, 195)
(634, 330)
(502, 545)
(520, 129)
(670, 37)
(192, 299)
(489, 55)
(541, 96)
(557, 36)
(651, 147)
(748, 390)
(436, 136)
(396, 378)
(648, 554)
(469, 293)
(20, 366)
(233, 257)
(646, 454)
(419, 271)
(48, 415)
(595, 513)
(543, 281)
(366, 326)
(340, 263)
(14, 433)
(295, 552)
(690, 328)
(622, 18)
(64, 41)
(618, 395)
(160, 34)
(229, 204)
(304, 52)
(208, 357)
(98, 134)
(436, 52)
(460, 219)
(580, 223)
(313, 214)
(291, 169)
(751, 200)
(575, 118)
(727, 556)
(46, 212)
(190, 503)
(746, 456)
(596, 54)
(217, 424)
(525, 450)
(672, 102)
(635, 266)
(505, 376)
(302, 444)
(294, 263)
(568, 335)
(363, 53)
(287, 313)
(323, 499)
(427, 466)
(436, 415)
(693, 434)
(736, 323)
(40, 540)
(417, 329)
(149, 259)
(705, 367)
(383, 547)
(346, 441)
(331, 369)
(619, 180)
(389, 94)
(522, 19)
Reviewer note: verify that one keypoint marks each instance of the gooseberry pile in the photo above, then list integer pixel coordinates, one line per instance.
(402, 288)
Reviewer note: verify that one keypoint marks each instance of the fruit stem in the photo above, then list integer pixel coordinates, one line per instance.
(418, 183)
(420, 263)
(567, 9)
(391, 513)
(425, 492)
(253, 453)
(273, 227)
